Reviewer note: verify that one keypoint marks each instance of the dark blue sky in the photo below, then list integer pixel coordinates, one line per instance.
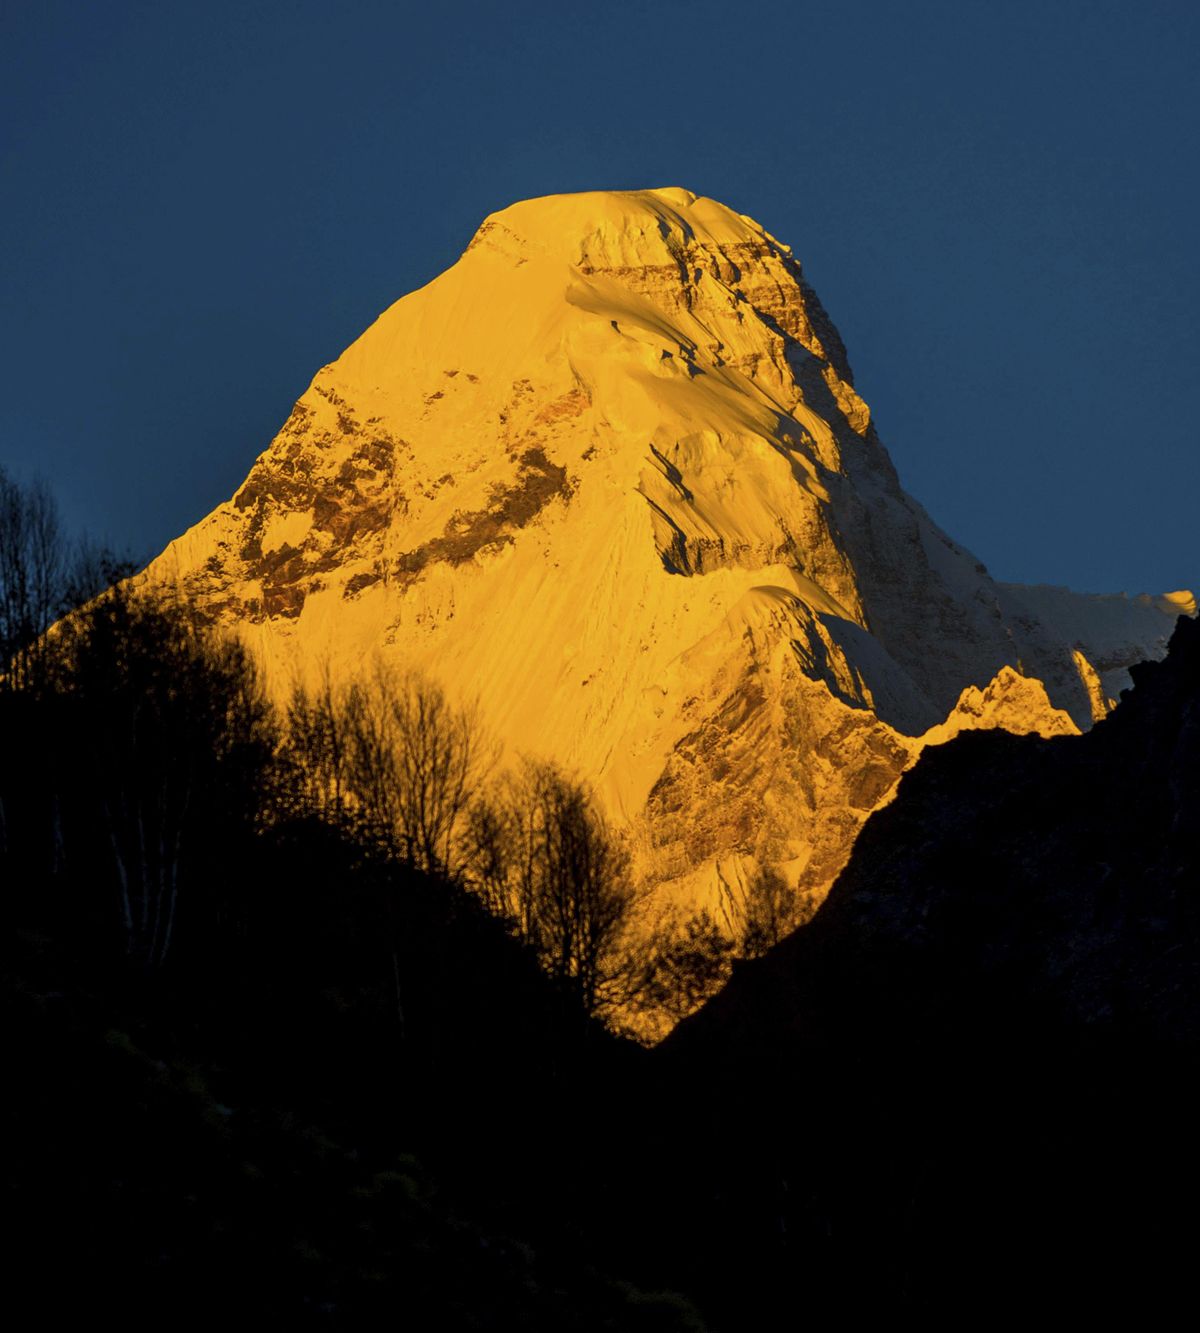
(203, 203)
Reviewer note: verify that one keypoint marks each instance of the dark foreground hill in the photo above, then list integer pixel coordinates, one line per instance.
(260, 1067)
(347, 1095)
(970, 1078)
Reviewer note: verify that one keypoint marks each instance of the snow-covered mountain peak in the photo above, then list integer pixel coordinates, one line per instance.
(613, 228)
(609, 478)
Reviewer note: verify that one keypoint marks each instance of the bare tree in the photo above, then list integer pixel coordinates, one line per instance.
(681, 961)
(544, 856)
(685, 965)
(391, 754)
(769, 911)
(487, 849)
(175, 737)
(436, 755)
(317, 749)
(33, 577)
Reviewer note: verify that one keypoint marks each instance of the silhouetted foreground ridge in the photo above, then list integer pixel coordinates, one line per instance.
(967, 1085)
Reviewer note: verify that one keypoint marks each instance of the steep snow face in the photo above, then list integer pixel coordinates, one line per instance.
(609, 478)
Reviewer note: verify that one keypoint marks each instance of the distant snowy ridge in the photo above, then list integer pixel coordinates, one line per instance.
(1112, 630)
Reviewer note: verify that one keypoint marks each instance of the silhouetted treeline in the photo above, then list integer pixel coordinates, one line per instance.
(187, 742)
(42, 575)
(136, 733)
(249, 983)
(390, 760)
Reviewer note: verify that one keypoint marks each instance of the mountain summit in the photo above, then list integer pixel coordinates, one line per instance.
(609, 477)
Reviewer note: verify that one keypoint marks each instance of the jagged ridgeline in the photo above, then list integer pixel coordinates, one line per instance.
(609, 478)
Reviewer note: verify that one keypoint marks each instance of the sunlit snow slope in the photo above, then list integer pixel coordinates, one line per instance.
(609, 477)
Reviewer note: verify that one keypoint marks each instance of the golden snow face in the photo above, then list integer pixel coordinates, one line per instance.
(609, 479)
